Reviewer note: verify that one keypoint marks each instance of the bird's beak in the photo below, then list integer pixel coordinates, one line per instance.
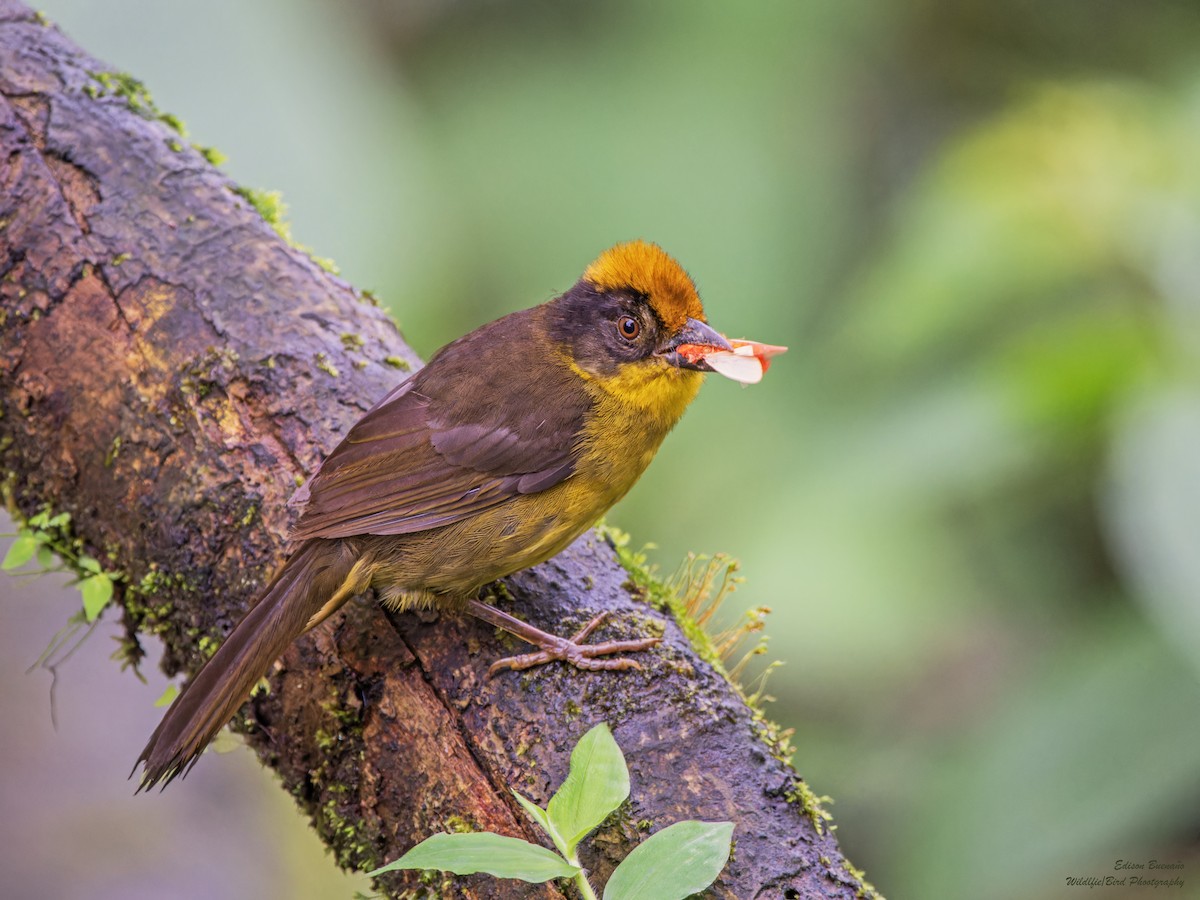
(695, 335)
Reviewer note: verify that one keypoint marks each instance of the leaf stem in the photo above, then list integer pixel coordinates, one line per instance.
(585, 888)
(571, 855)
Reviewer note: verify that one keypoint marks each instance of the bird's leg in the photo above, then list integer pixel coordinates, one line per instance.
(569, 650)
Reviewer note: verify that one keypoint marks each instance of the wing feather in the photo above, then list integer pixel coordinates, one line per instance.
(446, 444)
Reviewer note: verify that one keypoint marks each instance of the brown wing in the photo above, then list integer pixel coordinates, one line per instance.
(493, 415)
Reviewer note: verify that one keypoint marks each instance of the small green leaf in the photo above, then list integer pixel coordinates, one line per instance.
(20, 552)
(673, 863)
(168, 695)
(89, 565)
(483, 851)
(45, 556)
(597, 782)
(535, 812)
(97, 590)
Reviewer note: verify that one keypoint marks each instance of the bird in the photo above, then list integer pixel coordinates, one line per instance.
(504, 448)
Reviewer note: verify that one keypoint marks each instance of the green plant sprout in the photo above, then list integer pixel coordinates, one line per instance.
(671, 864)
(45, 537)
(45, 543)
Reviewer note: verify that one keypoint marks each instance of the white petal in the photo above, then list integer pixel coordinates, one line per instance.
(746, 369)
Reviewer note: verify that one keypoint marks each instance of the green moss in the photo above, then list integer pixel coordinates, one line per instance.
(113, 449)
(777, 739)
(155, 582)
(120, 258)
(202, 375)
(271, 207)
(214, 156)
(662, 596)
(659, 595)
(352, 848)
(812, 805)
(341, 723)
(326, 366)
(434, 886)
(172, 121)
(347, 718)
(866, 890)
(352, 341)
(198, 389)
(144, 604)
(325, 740)
(129, 654)
(207, 646)
(397, 362)
(135, 95)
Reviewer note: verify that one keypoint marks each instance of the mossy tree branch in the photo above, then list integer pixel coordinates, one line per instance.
(171, 368)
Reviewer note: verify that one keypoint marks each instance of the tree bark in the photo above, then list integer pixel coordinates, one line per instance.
(171, 369)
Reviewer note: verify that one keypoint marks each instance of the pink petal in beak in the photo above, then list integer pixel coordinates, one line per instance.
(746, 363)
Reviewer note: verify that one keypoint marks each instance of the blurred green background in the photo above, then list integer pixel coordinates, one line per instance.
(970, 492)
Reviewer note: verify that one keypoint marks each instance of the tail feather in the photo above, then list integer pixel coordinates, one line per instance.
(299, 596)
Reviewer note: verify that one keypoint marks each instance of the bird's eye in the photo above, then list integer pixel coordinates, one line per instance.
(628, 327)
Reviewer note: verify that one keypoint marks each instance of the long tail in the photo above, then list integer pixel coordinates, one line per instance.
(318, 579)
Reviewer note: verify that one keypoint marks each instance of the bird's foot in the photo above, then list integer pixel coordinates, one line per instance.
(570, 650)
(581, 656)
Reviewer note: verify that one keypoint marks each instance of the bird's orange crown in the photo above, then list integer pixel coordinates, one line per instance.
(649, 270)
